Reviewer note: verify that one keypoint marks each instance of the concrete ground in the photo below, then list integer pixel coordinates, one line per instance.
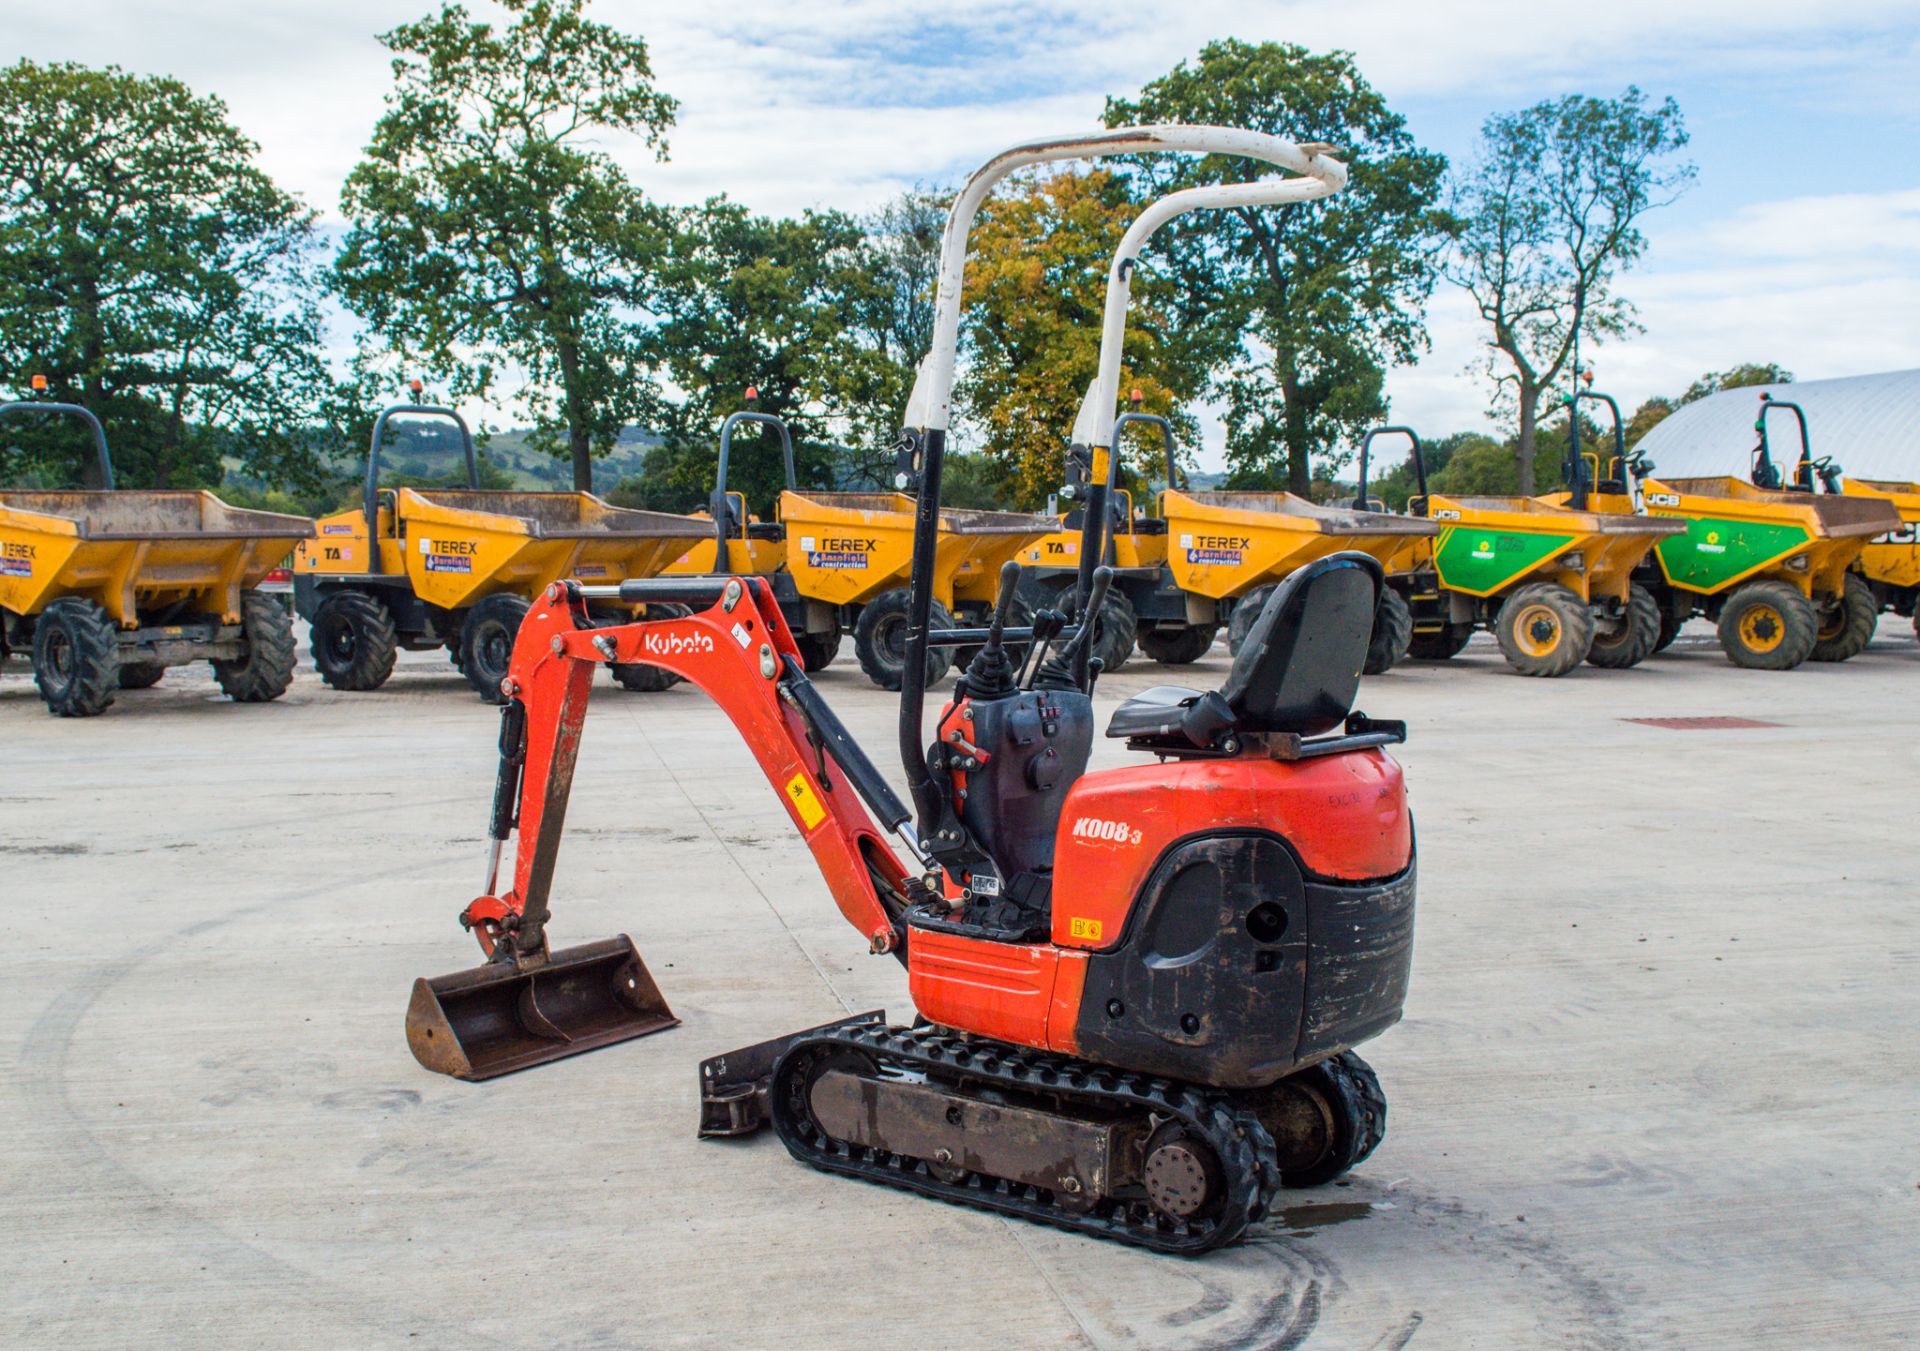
(1657, 1084)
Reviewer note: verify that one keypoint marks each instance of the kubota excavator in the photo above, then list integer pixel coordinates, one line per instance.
(1139, 987)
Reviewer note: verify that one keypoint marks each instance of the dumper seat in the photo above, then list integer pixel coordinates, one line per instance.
(1297, 673)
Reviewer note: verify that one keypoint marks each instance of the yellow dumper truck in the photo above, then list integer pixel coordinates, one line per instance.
(425, 568)
(108, 588)
(1552, 576)
(1205, 558)
(1891, 562)
(1772, 562)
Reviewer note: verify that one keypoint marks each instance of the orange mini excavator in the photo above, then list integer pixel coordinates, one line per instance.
(1138, 988)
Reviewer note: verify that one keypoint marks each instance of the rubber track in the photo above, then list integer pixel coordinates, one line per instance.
(1245, 1150)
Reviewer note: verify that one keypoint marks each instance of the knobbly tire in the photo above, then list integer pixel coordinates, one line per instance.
(1544, 630)
(1634, 639)
(1206, 1123)
(1768, 626)
(638, 676)
(1115, 630)
(1240, 621)
(76, 658)
(1392, 633)
(1669, 629)
(1444, 645)
(266, 671)
(1849, 628)
(1179, 647)
(354, 641)
(1352, 1111)
(817, 650)
(880, 639)
(140, 675)
(486, 643)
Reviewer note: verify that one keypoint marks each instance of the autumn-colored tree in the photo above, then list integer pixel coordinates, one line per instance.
(1035, 291)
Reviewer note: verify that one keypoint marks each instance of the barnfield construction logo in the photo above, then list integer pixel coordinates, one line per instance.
(1208, 550)
(449, 555)
(836, 552)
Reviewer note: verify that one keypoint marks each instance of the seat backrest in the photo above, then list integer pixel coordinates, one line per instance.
(1299, 668)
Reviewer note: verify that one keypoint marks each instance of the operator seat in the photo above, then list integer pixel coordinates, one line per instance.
(1297, 671)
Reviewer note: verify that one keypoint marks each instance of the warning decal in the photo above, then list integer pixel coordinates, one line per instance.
(806, 802)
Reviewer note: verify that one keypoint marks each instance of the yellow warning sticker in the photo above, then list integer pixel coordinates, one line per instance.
(1084, 928)
(1101, 455)
(806, 802)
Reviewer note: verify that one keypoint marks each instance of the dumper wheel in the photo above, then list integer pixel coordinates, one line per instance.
(1392, 633)
(638, 676)
(1325, 1120)
(486, 643)
(817, 650)
(1544, 629)
(266, 671)
(1849, 628)
(140, 675)
(1634, 634)
(1179, 647)
(354, 642)
(1115, 629)
(1768, 626)
(76, 657)
(1669, 628)
(1443, 645)
(1245, 611)
(880, 639)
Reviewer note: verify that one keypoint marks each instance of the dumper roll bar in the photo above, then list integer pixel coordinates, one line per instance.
(929, 406)
(1578, 483)
(717, 505)
(86, 416)
(1765, 475)
(1366, 448)
(371, 499)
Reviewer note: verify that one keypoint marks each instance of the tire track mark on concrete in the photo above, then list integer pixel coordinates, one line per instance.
(43, 1062)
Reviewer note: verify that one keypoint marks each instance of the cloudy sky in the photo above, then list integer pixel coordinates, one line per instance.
(1800, 242)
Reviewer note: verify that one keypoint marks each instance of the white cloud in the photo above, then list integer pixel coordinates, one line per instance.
(789, 105)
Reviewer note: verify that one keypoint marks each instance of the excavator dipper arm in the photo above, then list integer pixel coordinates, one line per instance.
(739, 651)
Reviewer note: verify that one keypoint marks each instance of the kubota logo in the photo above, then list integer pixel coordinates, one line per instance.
(674, 644)
(1109, 832)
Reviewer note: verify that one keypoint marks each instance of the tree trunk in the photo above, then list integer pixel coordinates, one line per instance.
(93, 385)
(1523, 452)
(1294, 431)
(576, 405)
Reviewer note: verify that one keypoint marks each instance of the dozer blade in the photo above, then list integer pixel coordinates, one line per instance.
(498, 1018)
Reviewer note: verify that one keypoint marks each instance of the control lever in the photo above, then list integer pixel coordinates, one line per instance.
(990, 675)
(1067, 670)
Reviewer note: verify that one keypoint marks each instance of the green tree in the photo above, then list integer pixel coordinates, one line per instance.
(746, 301)
(1548, 216)
(1035, 292)
(1330, 293)
(491, 238)
(155, 274)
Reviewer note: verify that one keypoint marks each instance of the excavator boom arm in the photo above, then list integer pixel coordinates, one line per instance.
(739, 651)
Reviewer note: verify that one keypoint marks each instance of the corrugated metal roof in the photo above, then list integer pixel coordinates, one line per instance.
(1869, 424)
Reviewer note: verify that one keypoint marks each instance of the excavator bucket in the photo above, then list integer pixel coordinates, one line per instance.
(501, 1017)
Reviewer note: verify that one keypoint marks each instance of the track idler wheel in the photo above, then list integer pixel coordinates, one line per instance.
(1325, 1120)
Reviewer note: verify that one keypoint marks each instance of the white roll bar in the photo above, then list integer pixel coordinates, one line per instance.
(1093, 427)
(929, 408)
